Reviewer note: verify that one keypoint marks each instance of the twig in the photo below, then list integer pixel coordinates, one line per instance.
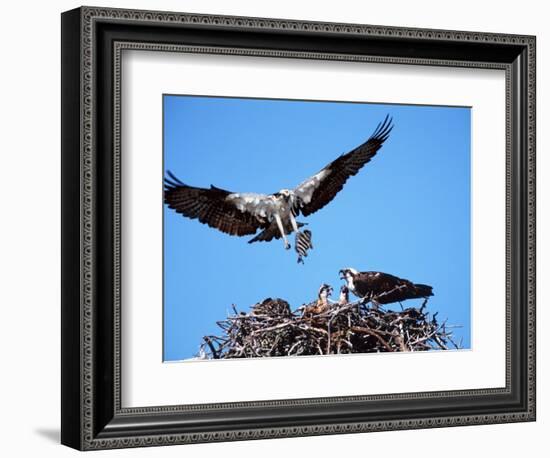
(271, 328)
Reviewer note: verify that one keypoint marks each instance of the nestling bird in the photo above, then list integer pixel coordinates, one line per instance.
(382, 288)
(344, 295)
(274, 214)
(269, 306)
(323, 302)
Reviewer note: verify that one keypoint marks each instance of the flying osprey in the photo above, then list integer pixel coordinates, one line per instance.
(381, 288)
(275, 214)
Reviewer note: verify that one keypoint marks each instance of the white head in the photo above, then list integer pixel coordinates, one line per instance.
(348, 272)
(285, 193)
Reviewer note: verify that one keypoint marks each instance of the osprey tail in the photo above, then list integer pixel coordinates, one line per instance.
(423, 290)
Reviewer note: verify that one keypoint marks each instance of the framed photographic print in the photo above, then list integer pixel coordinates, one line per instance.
(277, 228)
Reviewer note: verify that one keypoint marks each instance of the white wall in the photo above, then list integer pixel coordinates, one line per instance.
(30, 213)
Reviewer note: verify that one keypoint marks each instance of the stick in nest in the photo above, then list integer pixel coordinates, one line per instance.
(271, 328)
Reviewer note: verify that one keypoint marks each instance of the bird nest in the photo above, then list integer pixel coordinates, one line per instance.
(271, 328)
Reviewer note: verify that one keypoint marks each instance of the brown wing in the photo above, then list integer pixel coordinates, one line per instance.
(380, 282)
(320, 189)
(396, 294)
(209, 206)
(387, 288)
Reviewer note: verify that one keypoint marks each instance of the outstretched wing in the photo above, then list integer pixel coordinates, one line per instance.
(320, 189)
(215, 207)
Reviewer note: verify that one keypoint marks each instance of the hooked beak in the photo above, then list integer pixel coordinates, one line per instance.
(342, 276)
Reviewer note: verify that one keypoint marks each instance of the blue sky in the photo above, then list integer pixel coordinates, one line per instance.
(407, 212)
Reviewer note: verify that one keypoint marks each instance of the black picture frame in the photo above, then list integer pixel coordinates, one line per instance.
(92, 416)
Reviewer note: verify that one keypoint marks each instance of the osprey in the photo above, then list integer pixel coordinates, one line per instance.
(239, 214)
(271, 306)
(323, 302)
(344, 295)
(381, 288)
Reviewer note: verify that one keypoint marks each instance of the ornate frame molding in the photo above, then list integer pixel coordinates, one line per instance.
(84, 22)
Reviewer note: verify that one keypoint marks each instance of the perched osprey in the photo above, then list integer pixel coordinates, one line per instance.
(275, 214)
(381, 288)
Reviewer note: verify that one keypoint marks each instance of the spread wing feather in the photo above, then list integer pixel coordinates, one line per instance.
(318, 190)
(209, 206)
